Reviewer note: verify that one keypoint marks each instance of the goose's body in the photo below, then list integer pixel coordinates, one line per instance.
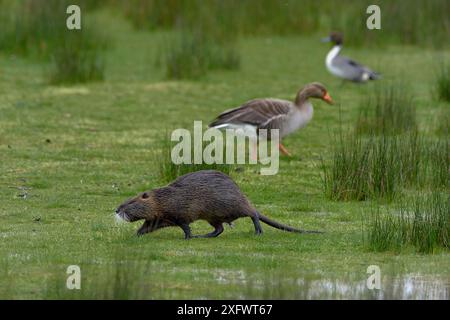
(344, 67)
(270, 113)
(266, 114)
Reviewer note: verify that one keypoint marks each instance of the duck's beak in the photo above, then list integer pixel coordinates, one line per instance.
(327, 98)
(326, 39)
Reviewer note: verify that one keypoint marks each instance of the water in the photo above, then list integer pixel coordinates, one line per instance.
(404, 287)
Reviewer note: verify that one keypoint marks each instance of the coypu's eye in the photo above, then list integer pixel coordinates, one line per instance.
(145, 195)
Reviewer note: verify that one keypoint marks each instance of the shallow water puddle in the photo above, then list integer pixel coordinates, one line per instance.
(405, 287)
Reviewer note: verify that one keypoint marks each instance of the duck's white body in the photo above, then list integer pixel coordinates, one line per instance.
(346, 68)
(334, 52)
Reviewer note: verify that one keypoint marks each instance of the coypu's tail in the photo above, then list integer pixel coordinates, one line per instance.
(281, 226)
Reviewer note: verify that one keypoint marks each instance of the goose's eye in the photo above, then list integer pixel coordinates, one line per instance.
(145, 195)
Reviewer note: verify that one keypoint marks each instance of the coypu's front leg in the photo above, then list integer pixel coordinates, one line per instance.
(144, 228)
(152, 225)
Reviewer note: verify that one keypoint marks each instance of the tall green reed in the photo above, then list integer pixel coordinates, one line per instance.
(422, 223)
(416, 22)
(442, 82)
(37, 28)
(78, 58)
(190, 54)
(389, 110)
(382, 166)
(363, 168)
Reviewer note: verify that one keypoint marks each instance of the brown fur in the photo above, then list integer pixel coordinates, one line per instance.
(203, 195)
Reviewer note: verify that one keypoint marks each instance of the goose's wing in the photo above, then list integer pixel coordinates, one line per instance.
(262, 113)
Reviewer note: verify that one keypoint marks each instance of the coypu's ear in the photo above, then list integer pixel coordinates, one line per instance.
(145, 195)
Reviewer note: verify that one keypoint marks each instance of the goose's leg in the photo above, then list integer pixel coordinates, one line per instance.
(284, 150)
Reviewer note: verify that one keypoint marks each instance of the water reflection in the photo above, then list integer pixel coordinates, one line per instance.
(405, 287)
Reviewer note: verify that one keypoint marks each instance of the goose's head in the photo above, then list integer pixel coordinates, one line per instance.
(313, 90)
(336, 37)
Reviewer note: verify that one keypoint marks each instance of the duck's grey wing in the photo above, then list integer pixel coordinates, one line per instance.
(353, 70)
(262, 113)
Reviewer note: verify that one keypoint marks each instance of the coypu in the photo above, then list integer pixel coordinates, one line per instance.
(203, 195)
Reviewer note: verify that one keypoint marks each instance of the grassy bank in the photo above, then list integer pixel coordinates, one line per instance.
(70, 154)
(417, 22)
(37, 29)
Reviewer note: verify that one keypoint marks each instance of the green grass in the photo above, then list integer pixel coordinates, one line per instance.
(37, 29)
(80, 58)
(389, 110)
(423, 222)
(438, 161)
(31, 28)
(442, 82)
(386, 153)
(384, 166)
(362, 169)
(417, 22)
(169, 171)
(78, 151)
(191, 54)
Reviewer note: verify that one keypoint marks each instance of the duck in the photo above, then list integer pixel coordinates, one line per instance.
(344, 67)
(271, 113)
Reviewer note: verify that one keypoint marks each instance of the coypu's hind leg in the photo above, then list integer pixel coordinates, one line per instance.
(255, 219)
(187, 230)
(217, 231)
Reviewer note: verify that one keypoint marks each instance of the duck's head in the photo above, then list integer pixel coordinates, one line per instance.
(313, 90)
(336, 37)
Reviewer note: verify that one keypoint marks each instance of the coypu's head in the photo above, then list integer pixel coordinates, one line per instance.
(137, 208)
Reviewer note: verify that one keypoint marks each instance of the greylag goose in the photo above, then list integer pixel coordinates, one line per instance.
(344, 67)
(272, 113)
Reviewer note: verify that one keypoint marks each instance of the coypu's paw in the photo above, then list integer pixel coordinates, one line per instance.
(141, 232)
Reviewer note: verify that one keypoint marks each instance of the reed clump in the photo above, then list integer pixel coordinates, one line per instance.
(422, 223)
(37, 29)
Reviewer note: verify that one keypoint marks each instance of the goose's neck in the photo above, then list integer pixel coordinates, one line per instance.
(301, 100)
(333, 53)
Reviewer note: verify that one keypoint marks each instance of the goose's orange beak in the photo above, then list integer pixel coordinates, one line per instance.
(326, 97)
